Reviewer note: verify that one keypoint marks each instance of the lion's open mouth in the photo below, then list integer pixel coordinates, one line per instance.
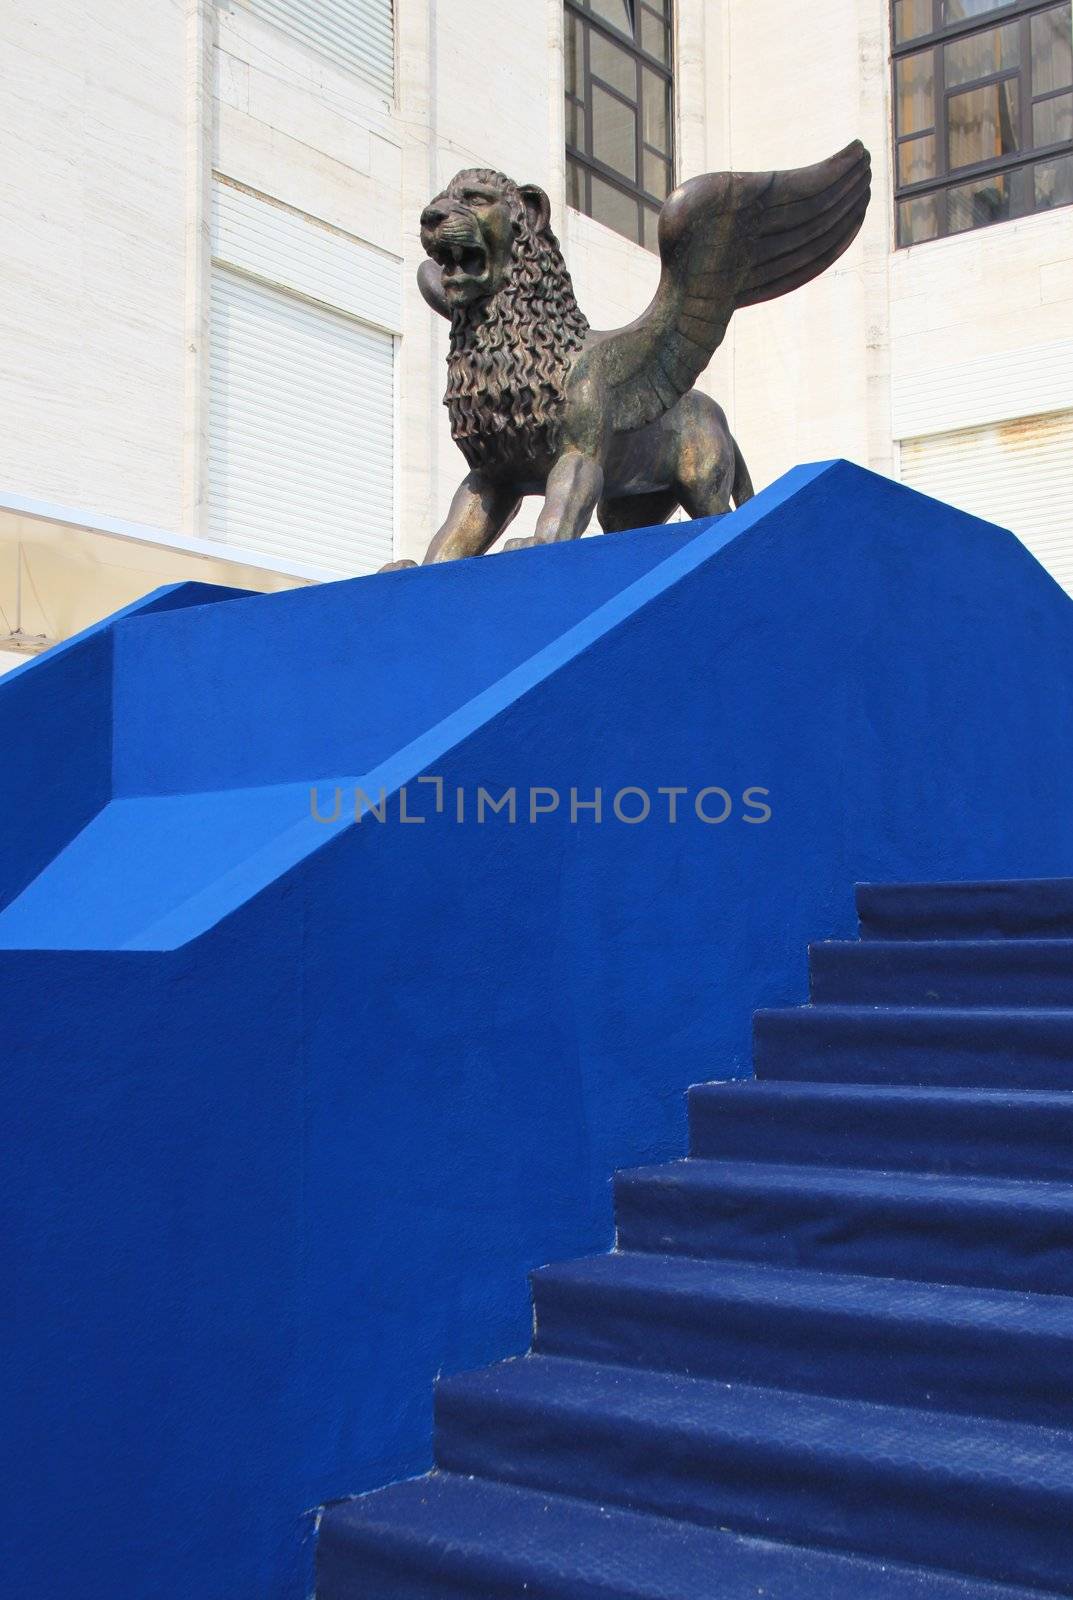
(460, 260)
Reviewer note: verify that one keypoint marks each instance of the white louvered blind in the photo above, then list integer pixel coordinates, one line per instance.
(296, 252)
(969, 394)
(301, 429)
(301, 392)
(356, 34)
(1018, 474)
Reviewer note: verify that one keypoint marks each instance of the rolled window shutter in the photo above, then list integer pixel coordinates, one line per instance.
(301, 460)
(356, 34)
(1017, 473)
(301, 387)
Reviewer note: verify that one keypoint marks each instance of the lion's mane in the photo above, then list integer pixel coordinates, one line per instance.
(511, 354)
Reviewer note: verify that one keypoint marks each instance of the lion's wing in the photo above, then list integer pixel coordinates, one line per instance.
(727, 240)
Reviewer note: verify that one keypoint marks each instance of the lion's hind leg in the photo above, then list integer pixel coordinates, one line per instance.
(706, 469)
(620, 513)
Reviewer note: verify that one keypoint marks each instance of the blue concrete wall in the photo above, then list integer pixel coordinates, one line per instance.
(258, 675)
(292, 1151)
(56, 734)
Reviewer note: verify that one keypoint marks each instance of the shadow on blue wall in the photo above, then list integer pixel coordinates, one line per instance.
(293, 1106)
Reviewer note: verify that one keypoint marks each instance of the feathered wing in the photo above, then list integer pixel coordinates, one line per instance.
(726, 240)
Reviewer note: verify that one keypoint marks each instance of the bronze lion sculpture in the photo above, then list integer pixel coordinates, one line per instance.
(540, 403)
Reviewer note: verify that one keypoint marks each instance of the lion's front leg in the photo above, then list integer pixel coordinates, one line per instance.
(575, 484)
(479, 512)
(576, 481)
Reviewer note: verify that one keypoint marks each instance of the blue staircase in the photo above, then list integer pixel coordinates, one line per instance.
(832, 1355)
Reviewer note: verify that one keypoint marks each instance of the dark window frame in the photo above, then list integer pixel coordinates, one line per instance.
(1019, 13)
(586, 164)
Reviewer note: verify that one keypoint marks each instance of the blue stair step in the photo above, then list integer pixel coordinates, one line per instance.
(990, 1498)
(997, 1232)
(831, 1357)
(949, 972)
(957, 1048)
(1024, 908)
(997, 1132)
(991, 1352)
(450, 1538)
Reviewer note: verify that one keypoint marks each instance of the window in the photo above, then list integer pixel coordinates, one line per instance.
(983, 112)
(301, 387)
(619, 112)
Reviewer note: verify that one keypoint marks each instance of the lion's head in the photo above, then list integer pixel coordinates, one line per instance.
(515, 324)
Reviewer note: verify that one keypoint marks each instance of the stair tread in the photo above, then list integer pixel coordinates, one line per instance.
(1005, 908)
(974, 1045)
(913, 949)
(899, 1094)
(1038, 1195)
(946, 886)
(1051, 1017)
(840, 1293)
(983, 973)
(961, 1451)
(551, 1546)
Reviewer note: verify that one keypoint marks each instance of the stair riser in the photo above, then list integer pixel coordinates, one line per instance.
(987, 1246)
(720, 1480)
(817, 1047)
(976, 1370)
(1001, 1140)
(1019, 910)
(367, 1570)
(891, 974)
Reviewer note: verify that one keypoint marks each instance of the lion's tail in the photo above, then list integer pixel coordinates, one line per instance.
(743, 485)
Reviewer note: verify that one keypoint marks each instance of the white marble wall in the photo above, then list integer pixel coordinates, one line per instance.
(92, 254)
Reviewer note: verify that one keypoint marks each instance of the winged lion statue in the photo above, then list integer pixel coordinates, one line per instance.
(542, 404)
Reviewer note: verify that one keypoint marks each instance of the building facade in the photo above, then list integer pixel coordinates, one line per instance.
(214, 359)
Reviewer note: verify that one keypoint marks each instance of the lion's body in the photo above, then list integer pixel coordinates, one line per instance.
(509, 401)
(517, 408)
(541, 404)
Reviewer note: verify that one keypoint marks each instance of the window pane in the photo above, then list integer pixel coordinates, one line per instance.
(982, 123)
(962, 10)
(915, 87)
(657, 178)
(651, 239)
(654, 36)
(575, 124)
(613, 64)
(1052, 120)
(1054, 183)
(655, 109)
(1052, 50)
(614, 133)
(981, 54)
(916, 159)
(918, 219)
(976, 204)
(574, 60)
(614, 209)
(911, 19)
(575, 186)
(617, 12)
